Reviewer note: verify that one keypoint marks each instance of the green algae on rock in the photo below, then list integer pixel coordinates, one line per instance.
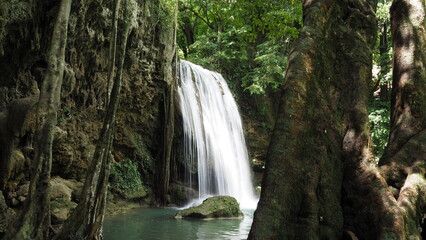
(218, 207)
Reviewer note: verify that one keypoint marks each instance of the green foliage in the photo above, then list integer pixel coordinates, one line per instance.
(379, 117)
(126, 177)
(274, 19)
(222, 52)
(383, 51)
(244, 40)
(272, 62)
(382, 12)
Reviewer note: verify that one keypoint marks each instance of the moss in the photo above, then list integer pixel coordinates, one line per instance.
(126, 180)
(213, 208)
(142, 151)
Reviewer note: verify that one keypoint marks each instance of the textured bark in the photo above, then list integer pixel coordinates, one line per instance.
(324, 104)
(34, 223)
(404, 162)
(89, 214)
(112, 51)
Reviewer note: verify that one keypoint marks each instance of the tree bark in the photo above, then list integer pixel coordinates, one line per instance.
(323, 104)
(89, 213)
(112, 51)
(34, 223)
(403, 164)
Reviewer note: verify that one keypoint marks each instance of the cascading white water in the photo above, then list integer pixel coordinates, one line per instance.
(214, 140)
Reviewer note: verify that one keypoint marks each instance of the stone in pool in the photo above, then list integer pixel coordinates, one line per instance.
(218, 207)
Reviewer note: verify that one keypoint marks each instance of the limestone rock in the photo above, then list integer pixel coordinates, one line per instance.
(65, 189)
(146, 77)
(23, 190)
(58, 189)
(181, 194)
(60, 209)
(219, 207)
(136, 192)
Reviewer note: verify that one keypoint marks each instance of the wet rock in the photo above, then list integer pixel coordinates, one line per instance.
(181, 194)
(219, 207)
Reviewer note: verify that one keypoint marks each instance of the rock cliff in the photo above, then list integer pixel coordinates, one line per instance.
(25, 32)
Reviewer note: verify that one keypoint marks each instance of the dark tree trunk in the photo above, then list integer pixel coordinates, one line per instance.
(323, 105)
(404, 162)
(112, 52)
(188, 31)
(34, 223)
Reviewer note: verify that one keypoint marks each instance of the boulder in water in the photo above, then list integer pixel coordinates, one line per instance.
(219, 207)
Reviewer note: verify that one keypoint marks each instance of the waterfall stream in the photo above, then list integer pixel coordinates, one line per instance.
(214, 142)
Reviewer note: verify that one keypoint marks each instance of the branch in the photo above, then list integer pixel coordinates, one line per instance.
(184, 7)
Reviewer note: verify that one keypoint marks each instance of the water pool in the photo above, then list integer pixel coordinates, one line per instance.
(158, 223)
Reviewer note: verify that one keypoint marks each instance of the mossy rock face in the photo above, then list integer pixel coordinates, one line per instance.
(125, 180)
(60, 209)
(219, 207)
(5, 214)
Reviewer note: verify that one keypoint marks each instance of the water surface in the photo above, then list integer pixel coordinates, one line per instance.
(158, 223)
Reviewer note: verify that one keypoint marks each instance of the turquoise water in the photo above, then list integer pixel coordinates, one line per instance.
(158, 223)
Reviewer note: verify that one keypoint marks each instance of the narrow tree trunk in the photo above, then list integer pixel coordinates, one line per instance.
(89, 213)
(112, 51)
(324, 104)
(34, 223)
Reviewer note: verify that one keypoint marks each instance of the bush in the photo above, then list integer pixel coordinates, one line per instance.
(126, 180)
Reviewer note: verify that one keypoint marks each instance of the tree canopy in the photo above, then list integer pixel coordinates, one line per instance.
(247, 41)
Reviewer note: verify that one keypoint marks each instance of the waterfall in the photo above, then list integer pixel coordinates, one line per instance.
(213, 136)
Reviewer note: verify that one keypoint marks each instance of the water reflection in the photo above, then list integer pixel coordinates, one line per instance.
(160, 224)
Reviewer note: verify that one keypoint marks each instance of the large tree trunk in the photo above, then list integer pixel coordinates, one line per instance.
(390, 203)
(404, 162)
(34, 223)
(324, 104)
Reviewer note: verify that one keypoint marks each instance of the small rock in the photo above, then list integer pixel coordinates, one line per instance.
(22, 199)
(12, 195)
(60, 209)
(23, 189)
(15, 202)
